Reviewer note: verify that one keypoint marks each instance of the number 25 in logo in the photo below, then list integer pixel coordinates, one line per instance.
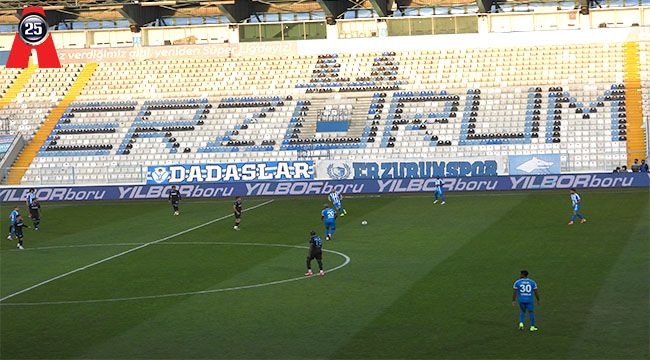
(33, 33)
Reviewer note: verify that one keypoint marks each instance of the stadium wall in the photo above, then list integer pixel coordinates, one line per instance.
(322, 187)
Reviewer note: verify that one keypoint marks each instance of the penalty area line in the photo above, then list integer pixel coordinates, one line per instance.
(128, 251)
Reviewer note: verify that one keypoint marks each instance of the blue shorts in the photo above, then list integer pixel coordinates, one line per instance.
(576, 207)
(330, 225)
(530, 306)
(337, 204)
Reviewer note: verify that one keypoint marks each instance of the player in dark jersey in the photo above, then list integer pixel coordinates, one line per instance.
(35, 213)
(315, 252)
(18, 231)
(174, 198)
(236, 207)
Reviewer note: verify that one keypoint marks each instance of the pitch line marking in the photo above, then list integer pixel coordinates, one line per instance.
(200, 292)
(127, 252)
(71, 246)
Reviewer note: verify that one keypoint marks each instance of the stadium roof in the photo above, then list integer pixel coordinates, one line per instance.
(141, 11)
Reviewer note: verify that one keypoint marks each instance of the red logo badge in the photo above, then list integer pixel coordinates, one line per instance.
(33, 33)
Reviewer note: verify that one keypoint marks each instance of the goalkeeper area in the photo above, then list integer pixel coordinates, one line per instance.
(129, 280)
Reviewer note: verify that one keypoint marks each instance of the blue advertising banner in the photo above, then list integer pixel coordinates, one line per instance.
(4, 55)
(410, 168)
(232, 172)
(534, 164)
(322, 187)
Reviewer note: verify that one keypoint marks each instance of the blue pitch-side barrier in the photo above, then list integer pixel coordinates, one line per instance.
(4, 55)
(321, 187)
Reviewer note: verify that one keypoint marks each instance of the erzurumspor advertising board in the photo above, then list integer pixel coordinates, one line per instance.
(410, 168)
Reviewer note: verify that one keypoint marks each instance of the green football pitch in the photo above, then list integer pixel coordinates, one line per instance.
(129, 280)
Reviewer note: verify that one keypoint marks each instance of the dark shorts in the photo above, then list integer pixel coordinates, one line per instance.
(315, 255)
(175, 203)
(237, 215)
(35, 214)
(19, 235)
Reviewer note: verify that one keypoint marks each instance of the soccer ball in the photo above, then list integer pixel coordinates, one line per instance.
(364, 222)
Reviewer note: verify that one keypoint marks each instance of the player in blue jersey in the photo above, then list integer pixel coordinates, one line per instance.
(522, 293)
(13, 218)
(315, 252)
(328, 215)
(438, 191)
(575, 203)
(335, 197)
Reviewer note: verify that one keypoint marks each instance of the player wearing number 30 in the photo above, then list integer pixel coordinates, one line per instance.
(329, 217)
(522, 293)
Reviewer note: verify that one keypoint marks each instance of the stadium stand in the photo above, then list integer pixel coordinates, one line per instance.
(644, 72)
(635, 137)
(435, 103)
(37, 91)
(10, 85)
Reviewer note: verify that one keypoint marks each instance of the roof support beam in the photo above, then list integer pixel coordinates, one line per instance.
(54, 17)
(333, 8)
(402, 4)
(380, 7)
(240, 10)
(484, 6)
(142, 15)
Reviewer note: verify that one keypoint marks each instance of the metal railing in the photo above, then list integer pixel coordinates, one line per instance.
(71, 175)
(4, 126)
(10, 156)
(307, 153)
(333, 114)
